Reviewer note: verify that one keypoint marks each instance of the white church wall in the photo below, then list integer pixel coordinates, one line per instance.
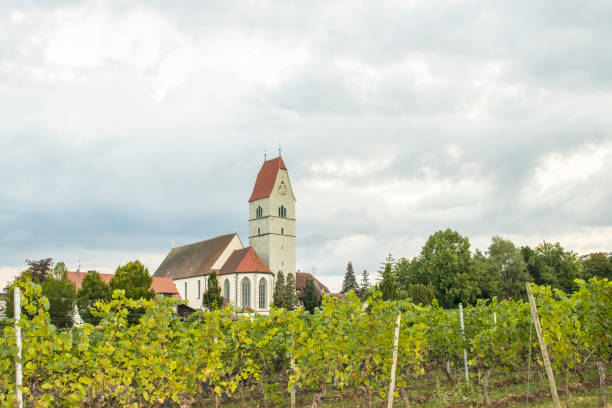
(193, 297)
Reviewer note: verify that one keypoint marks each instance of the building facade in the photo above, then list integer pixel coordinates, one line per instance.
(246, 275)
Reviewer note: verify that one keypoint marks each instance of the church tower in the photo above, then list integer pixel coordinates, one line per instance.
(272, 217)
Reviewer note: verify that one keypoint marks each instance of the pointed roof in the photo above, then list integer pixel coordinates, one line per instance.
(300, 283)
(244, 260)
(266, 178)
(194, 259)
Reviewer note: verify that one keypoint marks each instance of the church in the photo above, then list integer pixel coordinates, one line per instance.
(246, 274)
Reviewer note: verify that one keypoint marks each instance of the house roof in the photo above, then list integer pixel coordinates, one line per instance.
(244, 260)
(159, 285)
(266, 178)
(194, 259)
(300, 282)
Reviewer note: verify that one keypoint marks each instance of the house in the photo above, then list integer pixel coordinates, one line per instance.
(161, 286)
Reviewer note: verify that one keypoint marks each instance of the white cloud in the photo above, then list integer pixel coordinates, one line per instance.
(566, 179)
(131, 125)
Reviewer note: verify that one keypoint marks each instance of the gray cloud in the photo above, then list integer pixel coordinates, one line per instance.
(128, 127)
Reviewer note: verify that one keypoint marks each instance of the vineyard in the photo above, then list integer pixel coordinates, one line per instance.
(142, 355)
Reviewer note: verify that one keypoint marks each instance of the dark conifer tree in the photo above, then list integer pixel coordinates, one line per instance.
(311, 298)
(290, 296)
(350, 282)
(278, 298)
(212, 299)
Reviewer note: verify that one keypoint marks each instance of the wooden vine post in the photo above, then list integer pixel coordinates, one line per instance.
(549, 372)
(394, 366)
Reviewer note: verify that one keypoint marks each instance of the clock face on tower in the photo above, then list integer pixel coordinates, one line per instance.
(282, 188)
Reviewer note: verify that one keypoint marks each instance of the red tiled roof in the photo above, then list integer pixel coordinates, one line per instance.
(300, 282)
(266, 178)
(244, 260)
(159, 285)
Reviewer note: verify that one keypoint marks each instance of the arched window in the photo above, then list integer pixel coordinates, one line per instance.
(282, 231)
(226, 289)
(282, 211)
(259, 212)
(262, 293)
(258, 231)
(246, 292)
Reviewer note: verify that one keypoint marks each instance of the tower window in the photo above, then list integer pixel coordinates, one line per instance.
(259, 212)
(258, 231)
(282, 211)
(282, 231)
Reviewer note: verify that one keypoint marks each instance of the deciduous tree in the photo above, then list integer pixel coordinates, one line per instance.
(93, 289)
(62, 295)
(597, 265)
(445, 264)
(134, 278)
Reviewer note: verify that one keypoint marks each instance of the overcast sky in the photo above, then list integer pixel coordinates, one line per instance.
(128, 125)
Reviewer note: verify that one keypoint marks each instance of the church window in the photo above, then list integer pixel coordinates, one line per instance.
(246, 292)
(226, 289)
(282, 231)
(259, 212)
(258, 231)
(262, 293)
(199, 289)
(282, 211)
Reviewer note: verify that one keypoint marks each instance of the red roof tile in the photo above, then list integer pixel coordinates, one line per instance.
(266, 178)
(300, 282)
(159, 285)
(244, 260)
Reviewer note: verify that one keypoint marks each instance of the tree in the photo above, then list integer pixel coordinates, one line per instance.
(59, 271)
(405, 273)
(61, 294)
(55, 286)
(388, 285)
(311, 298)
(350, 282)
(364, 284)
(40, 270)
(445, 264)
(508, 269)
(278, 297)
(212, 299)
(420, 294)
(134, 279)
(92, 290)
(290, 296)
(597, 265)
